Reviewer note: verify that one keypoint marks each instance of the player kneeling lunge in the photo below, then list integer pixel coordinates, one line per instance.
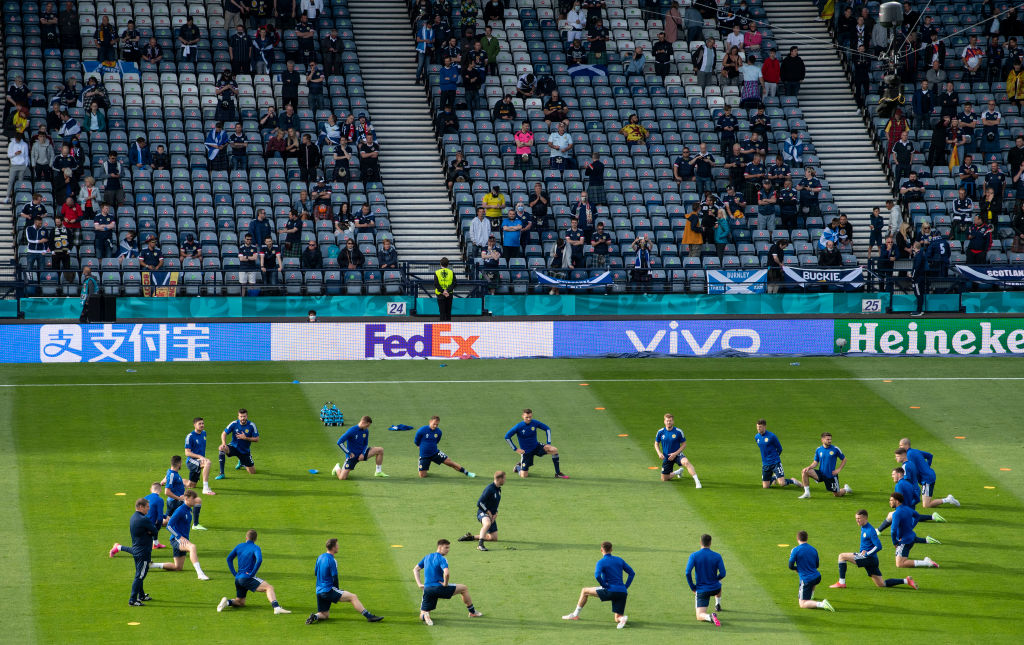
(921, 473)
(804, 560)
(195, 456)
(911, 497)
(669, 443)
(174, 490)
(608, 573)
(179, 525)
(529, 447)
(327, 591)
(867, 557)
(355, 443)
(435, 585)
(250, 557)
(771, 457)
(904, 519)
(828, 462)
(243, 434)
(705, 570)
(487, 513)
(426, 440)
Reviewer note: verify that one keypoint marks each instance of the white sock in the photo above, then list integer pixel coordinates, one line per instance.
(707, 617)
(677, 473)
(807, 489)
(842, 581)
(199, 569)
(156, 565)
(576, 612)
(696, 479)
(906, 581)
(921, 563)
(819, 605)
(378, 468)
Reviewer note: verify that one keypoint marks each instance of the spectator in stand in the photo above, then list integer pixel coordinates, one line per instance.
(342, 161)
(598, 37)
(845, 232)
(877, 223)
(963, 210)
(830, 255)
(973, 59)
(526, 85)
(753, 83)
(511, 228)
(276, 145)
(446, 122)
(458, 170)
(494, 203)
(727, 125)
(683, 169)
(309, 160)
(968, 174)
(365, 220)
(809, 188)
(943, 132)
(263, 51)
(703, 58)
(636, 134)
(524, 146)
(1015, 83)
(752, 38)
(556, 110)
(753, 174)
(331, 49)
(104, 224)
(584, 213)
(479, 231)
(894, 130)
(788, 199)
(292, 231)
(311, 258)
(95, 119)
(329, 132)
(776, 262)
(979, 241)
(387, 256)
(735, 165)
(703, 164)
(89, 196)
(793, 149)
(491, 47)
(792, 72)
(663, 52)
(106, 41)
(922, 104)
(539, 205)
(845, 26)
(113, 189)
(779, 172)
(991, 205)
(735, 38)
(636, 64)
(575, 241)
(259, 228)
(767, 206)
(188, 40)
(131, 48)
(41, 156)
(473, 81)
(315, 83)
(32, 210)
(139, 157)
(290, 79)
(71, 212)
(504, 110)
(968, 119)
(770, 73)
(369, 153)
(723, 234)
(895, 216)
(731, 66)
(936, 76)
(152, 52)
(560, 144)
(351, 257)
(673, 23)
(240, 50)
(912, 190)
(494, 10)
(424, 48)
(902, 156)
(601, 243)
(990, 121)
(449, 82)
(216, 144)
(641, 248)
(829, 234)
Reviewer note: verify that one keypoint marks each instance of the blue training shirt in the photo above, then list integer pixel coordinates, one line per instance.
(709, 568)
(910, 472)
(156, 509)
(174, 482)
(196, 442)
(427, 440)
(827, 459)
(771, 449)
(326, 572)
(181, 522)
(670, 439)
(355, 440)
(904, 519)
(527, 435)
(911, 494)
(433, 566)
(608, 573)
(249, 430)
(804, 560)
(922, 464)
(869, 542)
(250, 557)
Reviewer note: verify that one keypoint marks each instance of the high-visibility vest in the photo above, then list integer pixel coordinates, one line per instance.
(445, 278)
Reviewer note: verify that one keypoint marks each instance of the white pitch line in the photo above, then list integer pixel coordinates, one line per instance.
(499, 381)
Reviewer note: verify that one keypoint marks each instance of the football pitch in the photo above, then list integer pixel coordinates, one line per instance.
(79, 443)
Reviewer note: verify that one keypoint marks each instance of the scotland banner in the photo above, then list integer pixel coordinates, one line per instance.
(1005, 276)
(598, 281)
(588, 70)
(835, 278)
(722, 281)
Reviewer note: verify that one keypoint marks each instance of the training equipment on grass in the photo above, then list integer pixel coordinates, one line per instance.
(330, 415)
(400, 427)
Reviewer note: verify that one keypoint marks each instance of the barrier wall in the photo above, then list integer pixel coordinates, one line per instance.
(163, 342)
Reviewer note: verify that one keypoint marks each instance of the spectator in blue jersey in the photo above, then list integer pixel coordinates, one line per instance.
(195, 456)
(904, 519)
(426, 440)
(669, 443)
(249, 557)
(804, 560)
(487, 513)
(867, 558)
(449, 82)
(435, 584)
(828, 462)
(608, 573)
(179, 525)
(328, 591)
(355, 443)
(925, 475)
(793, 149)
(771, 457)
(705, 570)
(243, 434)
(529, 447)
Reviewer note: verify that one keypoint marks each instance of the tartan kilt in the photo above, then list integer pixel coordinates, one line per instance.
(597, 195)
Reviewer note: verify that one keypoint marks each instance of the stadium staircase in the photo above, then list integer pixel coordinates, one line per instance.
(6, 210)
(411, 167)
(836, 126)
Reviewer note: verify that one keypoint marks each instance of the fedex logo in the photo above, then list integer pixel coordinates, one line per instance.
(436, 340)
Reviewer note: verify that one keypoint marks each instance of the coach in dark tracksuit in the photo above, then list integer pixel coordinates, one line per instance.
(920, 277)
(143, 533)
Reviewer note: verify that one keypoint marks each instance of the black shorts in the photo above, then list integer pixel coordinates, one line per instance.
(617, 598)
(772, 472)
(493, 528)
(667, 464)
(351, 462)
(831, 483)
(703, 598)
(244, 457)
(195, 469)
(526, 460)
(869, 564)
(807, 589)
(437, 458)
(432, 594)
(903, 550)
(245, 584)
(175, 551)
(927, 488)
(325, 600)
(173, 505)
(875, 238)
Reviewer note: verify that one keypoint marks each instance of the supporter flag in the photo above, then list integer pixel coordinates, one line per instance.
(601, 280)
(954, 158)
(588, 70)
(828, 10)
(744, 281)
(998, 276)
(159, 284)
(842, 279)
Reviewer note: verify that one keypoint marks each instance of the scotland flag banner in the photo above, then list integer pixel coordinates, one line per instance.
(588, 70)
(747, 281)
(835, 278)
(1005, 276)
(598, 281)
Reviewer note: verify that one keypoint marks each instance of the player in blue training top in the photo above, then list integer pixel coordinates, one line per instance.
(175, 491)
(904, 519)
(179, 525)
(355, 443)
(195, 456)
(804, 560)
(327, 591)
(708, 568)
(911, 497)
(435, 585)
(250, 557)
(487, 513)
(669, 443)
(243, 434)
(771, 457)
(154, 513)
(925, 475)
(529, 447)
(426, 440)
(143, 532)
(825, 468)
(867, 558)
(608, 573)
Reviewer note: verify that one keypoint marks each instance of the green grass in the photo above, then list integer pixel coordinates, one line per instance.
(66, 451)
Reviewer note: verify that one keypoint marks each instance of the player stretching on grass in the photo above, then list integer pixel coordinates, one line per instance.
(487, 513)
(195, 456)
(435, 583)
(243, 434)
(911, 497)
(155, 512)
(355, 444)
(709, 569)
(529, 447)
(250, 557)
(608, 573)
(771, 457)
(669, 443)
(804, 560)
(327, 591)
(179, 525)
(904, 519)
(824, 468)
(867, 558)
(924, 475)
(175, 491)
(426, 439)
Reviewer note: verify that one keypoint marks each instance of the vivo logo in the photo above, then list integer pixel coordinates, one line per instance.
(740, 340)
